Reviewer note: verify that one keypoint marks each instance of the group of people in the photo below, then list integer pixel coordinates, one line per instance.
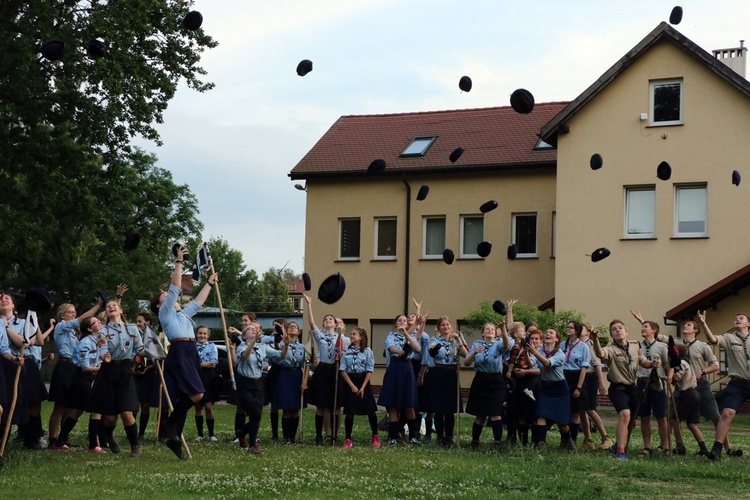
(526, 380)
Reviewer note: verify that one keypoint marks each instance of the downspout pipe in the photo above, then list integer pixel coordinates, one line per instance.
(408, 244)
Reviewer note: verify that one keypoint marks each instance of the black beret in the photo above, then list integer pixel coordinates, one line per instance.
(596, 161)
(465, 83)
(423, 192)
(332, 289)
(456, 154)
(600, 254)
(522, 101)
(304, 67)
(448, 256)
(484, 248)
(488, 206)
(376, 167)
(193, 20)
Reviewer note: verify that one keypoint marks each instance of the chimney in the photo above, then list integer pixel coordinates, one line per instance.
(734, 58)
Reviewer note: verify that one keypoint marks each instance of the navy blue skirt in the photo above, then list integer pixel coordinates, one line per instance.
(580, 403)
(486, 395)
(62, 379)
(553, 402)
(399, 386)
(144, 384)
(440, 390)
(323, 385)
(37, 391)
(79, 397)
(288, 393)
(353, 404)
(114, 389)
(182, 370)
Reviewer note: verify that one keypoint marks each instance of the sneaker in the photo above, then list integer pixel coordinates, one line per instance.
(61, 448)
(530, 394)
(415, 440)
(243, 442)
(318, 440)
(392, 442)
(714, 455)
(588, 444)
(541, 447)
(254, 450)
(347, 444)
(427, 439)
(734, 452)
(135, 451)
(376, 441)
(257, 440)
(236, 440)
(199, 439)
(43, 442)
(569, 445)
(621, 456)
(114, 446)
(606, 444)
(176, 446)
(213, 439)
(680, 449)
(475, 445)
(98, 450)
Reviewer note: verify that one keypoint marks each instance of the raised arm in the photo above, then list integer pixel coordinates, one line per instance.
(310, 318)
(203, 294)
(509, 316)
(637, 315)
(182, 252)
(597, 345)
(91, 311)
(712, 339)
(418, 305)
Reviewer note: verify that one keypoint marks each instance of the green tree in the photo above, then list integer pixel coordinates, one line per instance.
(275, 295)
(238, 285)
(524, 313)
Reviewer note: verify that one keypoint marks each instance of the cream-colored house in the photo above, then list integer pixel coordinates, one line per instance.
(676, 245)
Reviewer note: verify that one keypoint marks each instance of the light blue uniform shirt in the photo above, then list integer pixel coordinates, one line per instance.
(355, 360)
(87, 353)
(252, 366)
(553, 372)
(123, 340)
(4, 343)
(17, 325)
(66, 338)
(444, 355)
(177, 324)
(295, 356)
(491, 359)
(577, 355)
(423, 340)
(327, 345)
(207, 352)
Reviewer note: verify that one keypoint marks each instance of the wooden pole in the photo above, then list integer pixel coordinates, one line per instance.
(223, 324)
(334, 412)
(12, 404)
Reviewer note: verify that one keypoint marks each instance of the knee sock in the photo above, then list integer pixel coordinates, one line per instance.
(199, 424)
(131, 431)
(392, 430)
(348, 425)
(564, 436)
(210, 424)
(540, 434)
(177, 419)
(239, 422)
(512, 428)
(476, 432)
(143, 424)
(293, 425)
(251, 430)
(65, 429)
(373, 419)
(102, 434)
(428, 425)
(574, 429)
(523, 431)
(439, 425)
(94, 432)
(450, 424)
(275, 425)
(497, 430)
(318, 425)
(402, 422)
(413, 428)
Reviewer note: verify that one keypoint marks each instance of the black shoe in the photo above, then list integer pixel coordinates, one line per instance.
(714, 455)
(170, 431)
(114, 446)
(734, 452)
(176, 446)
(475, 445)
(319, 440)
(680, 449)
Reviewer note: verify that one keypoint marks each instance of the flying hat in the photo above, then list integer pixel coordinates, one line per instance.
(332, 289)
(664, 171)
(522, 101)
(600, 254)
(38, 299)
(96, 48)
(132, 240)
(53, 50)
(103, 296)
(499, 307)
(376, 167)
(306, 281)
(675, 17)
(304, 67)
(448, 256)
(596, 161)
(423, 192)
(176, 247)
(484, 248)
(488, 206)
(465, 84)
(512, 251)
(193, 20)
(456, 154)
(736, 178)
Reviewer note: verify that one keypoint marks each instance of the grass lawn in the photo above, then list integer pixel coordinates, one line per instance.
(224, 470)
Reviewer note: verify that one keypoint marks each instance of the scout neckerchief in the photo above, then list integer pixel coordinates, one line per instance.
(547, 354)
(625, 350)
(201, 347)
(648, 348)
(690, 358)
(744, 345)
(569, 349)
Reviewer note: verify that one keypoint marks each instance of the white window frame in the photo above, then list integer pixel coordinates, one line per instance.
(627, 212)
(690, 234)
(378, 220)
(425, 255)
(472, 254)
(652, 101)
(341, 236)
(514, 224)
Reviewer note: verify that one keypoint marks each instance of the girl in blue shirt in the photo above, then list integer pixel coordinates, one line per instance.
(209, 357)
(357, 365)
(292, 381)
(577, 358)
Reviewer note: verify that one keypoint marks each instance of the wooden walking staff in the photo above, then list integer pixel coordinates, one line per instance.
(12, 404)
(334, 412)
(171, 408)
(158, 413)
(230, 361)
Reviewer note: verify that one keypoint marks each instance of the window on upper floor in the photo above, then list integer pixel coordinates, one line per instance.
(640, 211)
(524, 234)
(349, 239)
(690, 211)
(293, 287)
(472, 234)
(666, 102)
(385, 238)
(418, 146)
(433, 241)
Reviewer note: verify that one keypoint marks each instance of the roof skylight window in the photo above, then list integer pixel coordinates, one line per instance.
(418, 146)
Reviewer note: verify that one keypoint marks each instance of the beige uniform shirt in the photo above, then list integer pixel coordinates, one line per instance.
(594, 361)
(738, 354)
(653, 351)
(684, 379)
(622, 363)
(701, 354)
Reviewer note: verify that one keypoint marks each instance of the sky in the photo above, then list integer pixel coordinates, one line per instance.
(236, 144)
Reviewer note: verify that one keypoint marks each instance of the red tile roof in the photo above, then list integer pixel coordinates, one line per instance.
(491, 138)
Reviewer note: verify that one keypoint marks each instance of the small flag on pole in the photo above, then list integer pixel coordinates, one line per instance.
(152, 346)
(202, 262)
(31, 327)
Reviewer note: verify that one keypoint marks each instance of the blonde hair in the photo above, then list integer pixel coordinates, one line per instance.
(63, 307)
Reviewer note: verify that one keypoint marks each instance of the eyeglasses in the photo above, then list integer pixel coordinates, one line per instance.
(569, 327)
